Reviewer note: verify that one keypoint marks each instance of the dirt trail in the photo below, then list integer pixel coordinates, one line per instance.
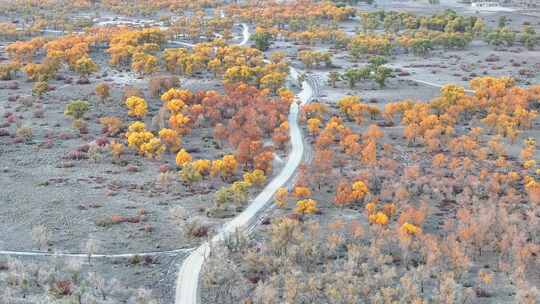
(187, 284)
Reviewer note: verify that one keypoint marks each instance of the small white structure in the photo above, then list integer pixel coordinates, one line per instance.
(485, 4)
(493, 6)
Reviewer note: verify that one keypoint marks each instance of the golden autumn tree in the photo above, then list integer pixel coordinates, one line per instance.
(182, 158)
(144, 64)
(314, 126)
(85, 67)
(306, 206)
(137, 106)
(171, 139)
(301, 192)
(281, 197)
(103, 91)
(344, 194)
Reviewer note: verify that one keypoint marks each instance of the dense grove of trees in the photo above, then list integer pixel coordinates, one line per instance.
(309, 22)
(234, 63)
(70, 50)
(295, 14)
(141, 51)
(401, 31)
(119, 6)
(243, 119)
(199, 25)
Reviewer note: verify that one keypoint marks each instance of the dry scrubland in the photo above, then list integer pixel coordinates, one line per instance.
(144, 128)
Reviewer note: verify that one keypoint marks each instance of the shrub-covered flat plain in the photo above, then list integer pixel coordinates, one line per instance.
(132, 132)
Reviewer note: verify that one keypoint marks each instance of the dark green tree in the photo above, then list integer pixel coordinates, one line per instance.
(262, 40)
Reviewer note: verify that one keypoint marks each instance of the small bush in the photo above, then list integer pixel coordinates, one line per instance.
(195, 228)
(76, 109)
(161, 84)
(24, 133)
(130, 91)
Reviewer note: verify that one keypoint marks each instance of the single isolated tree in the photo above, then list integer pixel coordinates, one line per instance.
(103, 91)
(85, 67)
(262, 40)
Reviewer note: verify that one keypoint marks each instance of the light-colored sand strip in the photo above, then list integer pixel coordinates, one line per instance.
(85, 255)
(432, 84)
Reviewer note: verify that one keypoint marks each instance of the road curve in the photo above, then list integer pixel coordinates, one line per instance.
(245, 34)
(187, 284)
(245, 38)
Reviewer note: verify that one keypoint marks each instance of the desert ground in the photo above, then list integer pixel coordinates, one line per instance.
(308, 151)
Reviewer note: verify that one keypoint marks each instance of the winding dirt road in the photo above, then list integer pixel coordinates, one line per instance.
(187, 284)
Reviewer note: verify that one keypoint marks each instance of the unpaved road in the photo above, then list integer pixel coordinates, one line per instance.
(187, 284)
